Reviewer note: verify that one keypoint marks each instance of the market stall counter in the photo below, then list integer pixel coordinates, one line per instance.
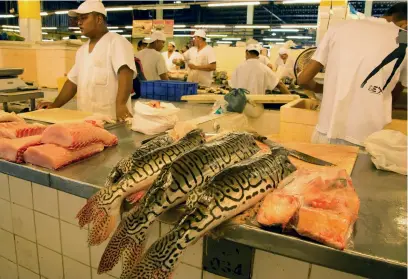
(39, 208)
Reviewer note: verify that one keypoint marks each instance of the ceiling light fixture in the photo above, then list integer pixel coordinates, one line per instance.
(43, 14)
(273, 34)
(47, 40)
(299, 37)
(11, 30)
(179, 26)
(210, 26)
(217, 35)
(306, 26)
(61, 12)
(233, 4)
(181, 35)
(83, 37)
(183, 30)
(127, 36)
(273, 39)
(231, 39)
(284, 30)
(280, 43)
(224, 42)
(119, 9)
(116, 31)
(49, 28)
(65, 38)
(10, 26)
(252, 26)
(44, 33)
(162, 7)
(113, 27)
(301, 1)
(129, 27)
(77, 32)
(6, 16)
(73, 28)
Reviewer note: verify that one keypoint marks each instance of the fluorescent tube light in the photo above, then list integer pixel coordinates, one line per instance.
(119, 9)
(49, 28)
(43, 14)
(184, 29)
(224, 42)
(116, 31)
(301, 1)
(231, 39)
(6, 16)
(73, 28)
(11, 30)
(61, 12)
(179, 26)
(113, 27)
(181, 35)
(44, 33)
(127, 36)
(11, 26)
(83, 37)
(252, 26)
(47, 40)
(284, 30)
(210, 26)
(65, 38)
(306, 26)
(274, 39)
(217, 35)
(233, 4)
(280, 43)
(129, 27)
(299, 37)
(77, 32)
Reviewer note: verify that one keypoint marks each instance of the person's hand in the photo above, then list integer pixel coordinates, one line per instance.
(122, 113)
(192, 66)
(44, 105)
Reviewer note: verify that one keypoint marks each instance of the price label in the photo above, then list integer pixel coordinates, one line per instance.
(227, 258)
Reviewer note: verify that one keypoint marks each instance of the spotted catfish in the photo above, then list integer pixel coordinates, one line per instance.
(170, 189)
(228, 194)
(126, 165)
(103, 208)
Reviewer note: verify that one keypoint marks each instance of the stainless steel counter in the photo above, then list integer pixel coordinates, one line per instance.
(380, 236)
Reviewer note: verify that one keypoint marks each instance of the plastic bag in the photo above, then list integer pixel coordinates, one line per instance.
(321, 205)
(388, 150)
(236, 100)
(152, 120)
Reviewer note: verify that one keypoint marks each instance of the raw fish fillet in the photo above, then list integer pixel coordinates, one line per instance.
(12, 130)
(77, 135)
(13, 149)
(10, 117)
(319, 205)
(52, 156)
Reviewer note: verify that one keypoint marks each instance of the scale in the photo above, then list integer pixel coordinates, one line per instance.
(10, 82)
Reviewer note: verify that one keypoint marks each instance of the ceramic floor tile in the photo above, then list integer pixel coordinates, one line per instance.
(95, 275)
(6, 222)
(20, 192)
(27, 254)
(48, 231)
(184, 271)
(24, 273)
(319, 272)
(23, 222)
(45, 200)
(193, 255)
(208, 275)
(4, 187)
(50, 263)
(268, 264)
(69, 206)
(8, 270)
(76, 270)
(8, 249)
(75, 242)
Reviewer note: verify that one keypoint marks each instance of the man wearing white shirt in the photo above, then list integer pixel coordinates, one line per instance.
(170, 56)
(154, 65)
(357, 94)
(104, 67)
(255, 76)
(201, 60)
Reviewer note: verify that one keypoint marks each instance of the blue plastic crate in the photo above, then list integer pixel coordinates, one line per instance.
(167, 90)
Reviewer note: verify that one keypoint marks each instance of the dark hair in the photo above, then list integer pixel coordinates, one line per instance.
(398, 11)
(140, 43)
(253, 52)
(73, 37)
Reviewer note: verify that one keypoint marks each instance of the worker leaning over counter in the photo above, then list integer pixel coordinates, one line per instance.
(360, 76)
(154, 66)
(104, 67)
(284, 64)
(201, 60)
(171, 56)
(255, 76)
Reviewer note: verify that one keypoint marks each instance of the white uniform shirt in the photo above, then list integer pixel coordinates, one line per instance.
(203, 57)
(169, 60)
(96, 73)
(153, 63)
(285, 69)
(350, 52)
(264, 60)
(254, 76)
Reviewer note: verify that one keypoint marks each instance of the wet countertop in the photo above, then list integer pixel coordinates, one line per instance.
(379, 241)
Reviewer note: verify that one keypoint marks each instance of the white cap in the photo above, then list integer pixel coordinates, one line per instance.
(283, 50)
(87, 7)
(200, 33)
(145, 41)
(254, 47)
(157, 35)
(173, 44)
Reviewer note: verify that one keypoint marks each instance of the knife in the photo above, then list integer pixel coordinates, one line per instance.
(300, 155)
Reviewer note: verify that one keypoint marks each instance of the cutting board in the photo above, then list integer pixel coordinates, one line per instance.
(260, 99)
(57, 115)
(343, 156)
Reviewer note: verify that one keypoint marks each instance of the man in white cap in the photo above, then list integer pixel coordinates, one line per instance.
(171, 56)
(284, 65)
(264, 59)
(154, 65)
(255, 76)
(104, 67)
(201, 60)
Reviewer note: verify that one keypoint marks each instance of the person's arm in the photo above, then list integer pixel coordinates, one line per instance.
(306, 77)
(164, 76)
(67, 93)
(162, 69)
(125, 84)
(207, 68)
(282, 88)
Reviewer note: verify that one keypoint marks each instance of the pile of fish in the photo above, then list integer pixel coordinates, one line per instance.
(51, 147)
(217, 178)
